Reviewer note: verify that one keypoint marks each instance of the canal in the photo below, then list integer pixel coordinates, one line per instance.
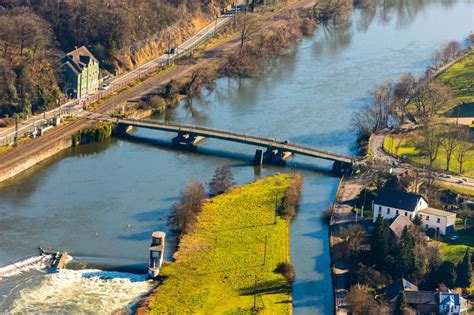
(100, 202)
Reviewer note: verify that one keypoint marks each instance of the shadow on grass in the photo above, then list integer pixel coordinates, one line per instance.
(242, 228)
(464, 110)
(267, 287)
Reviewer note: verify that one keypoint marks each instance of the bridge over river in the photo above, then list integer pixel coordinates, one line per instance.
(188, 137)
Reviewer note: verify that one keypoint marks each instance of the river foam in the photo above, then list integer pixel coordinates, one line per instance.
(81, 291)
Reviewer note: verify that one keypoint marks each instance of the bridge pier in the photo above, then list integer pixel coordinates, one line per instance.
(187, 140)
(276, 156)
(342, 168)
(122, 129)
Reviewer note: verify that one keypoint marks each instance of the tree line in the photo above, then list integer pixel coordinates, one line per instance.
(35, 34)
(411, 257)
(419, 101)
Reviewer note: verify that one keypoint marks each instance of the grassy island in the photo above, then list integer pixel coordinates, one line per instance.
(218, 261)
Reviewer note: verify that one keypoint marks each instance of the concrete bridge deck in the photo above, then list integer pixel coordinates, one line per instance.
(234, 137)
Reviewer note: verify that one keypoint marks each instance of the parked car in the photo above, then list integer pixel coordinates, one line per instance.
(449, 176)
(459, 181)
(454, 238)
(105, 86)
(464, 179)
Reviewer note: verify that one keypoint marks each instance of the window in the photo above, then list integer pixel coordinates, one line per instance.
(406, 213)
(388, 210)
(397, 212)
(380, 208)
(410, 216)
(427, 218)
(438, 220)
(426, 226)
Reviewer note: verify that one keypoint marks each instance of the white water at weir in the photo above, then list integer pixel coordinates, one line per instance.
(24, 265)
(80, 291)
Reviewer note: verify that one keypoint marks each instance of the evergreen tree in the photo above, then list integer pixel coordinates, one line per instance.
(405, 255)
(379, 244)
(464, 271)
(417, 221)
(222, 181)
(400, 304)
(446, 273)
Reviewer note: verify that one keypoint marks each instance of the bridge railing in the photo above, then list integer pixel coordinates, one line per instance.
(263, 140)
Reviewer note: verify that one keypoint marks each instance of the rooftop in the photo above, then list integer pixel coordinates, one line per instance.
(437, 212)
(397, 199)
(419, 297)
(399, 224)
(400, 285)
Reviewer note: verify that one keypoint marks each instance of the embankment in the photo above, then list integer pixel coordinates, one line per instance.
(227, 263)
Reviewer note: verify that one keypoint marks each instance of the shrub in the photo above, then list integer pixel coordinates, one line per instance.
(292, 197)
(184, 212)
(287, 270)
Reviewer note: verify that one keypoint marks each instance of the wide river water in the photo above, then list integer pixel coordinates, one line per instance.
(101, 202)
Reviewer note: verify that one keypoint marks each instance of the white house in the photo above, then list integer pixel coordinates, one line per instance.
(442, 221)
(452, 304)
(391, 203)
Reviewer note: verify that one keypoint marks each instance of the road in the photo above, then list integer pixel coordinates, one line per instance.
(74, 107)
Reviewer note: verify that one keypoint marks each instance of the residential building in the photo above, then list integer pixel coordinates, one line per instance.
(397, 226)
(80, 73)
(397, 286)
(391, 203)
(451, 304)
(441, 221)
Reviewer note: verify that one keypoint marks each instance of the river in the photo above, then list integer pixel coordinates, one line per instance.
(100, 202)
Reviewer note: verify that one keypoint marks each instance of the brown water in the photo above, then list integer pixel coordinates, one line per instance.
(102, 201)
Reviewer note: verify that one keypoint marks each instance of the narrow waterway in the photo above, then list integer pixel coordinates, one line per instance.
(101, 202)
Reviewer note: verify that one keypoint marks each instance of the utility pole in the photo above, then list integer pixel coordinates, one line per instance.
(363, 204)
(255, 295)
(265, 251)
(169, 47)
(276, 209)
(16, 129)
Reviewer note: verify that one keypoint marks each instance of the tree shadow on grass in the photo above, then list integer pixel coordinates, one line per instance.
(267, 287)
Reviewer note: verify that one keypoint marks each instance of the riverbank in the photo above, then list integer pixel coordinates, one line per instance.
(181, 76)
(231, 255)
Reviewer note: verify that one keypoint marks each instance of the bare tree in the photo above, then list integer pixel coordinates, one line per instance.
(465, 213)
(448, 142)
(184, 212)
(402, 92)
(361, 301)
(248, 29)
(451, 50)
(428, 99)
(222, 181)
(382, 97)
(430, 142)
(464, 147)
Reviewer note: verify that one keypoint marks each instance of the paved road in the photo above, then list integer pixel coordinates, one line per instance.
(74, 107)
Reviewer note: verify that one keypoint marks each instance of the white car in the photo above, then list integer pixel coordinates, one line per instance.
(105, 86)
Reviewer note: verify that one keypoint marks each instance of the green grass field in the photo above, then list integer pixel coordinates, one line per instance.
(455, 250)
(216, 265)
(404, 145)
(460, 79)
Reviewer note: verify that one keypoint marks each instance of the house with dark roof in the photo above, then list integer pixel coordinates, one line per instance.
(391, 203)
(397, 286)
(80, 73)
(423, 302)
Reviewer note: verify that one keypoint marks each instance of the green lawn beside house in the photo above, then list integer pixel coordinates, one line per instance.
(455, 250)
(216, 265)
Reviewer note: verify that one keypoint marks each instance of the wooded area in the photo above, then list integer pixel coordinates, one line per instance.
(120, 34)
